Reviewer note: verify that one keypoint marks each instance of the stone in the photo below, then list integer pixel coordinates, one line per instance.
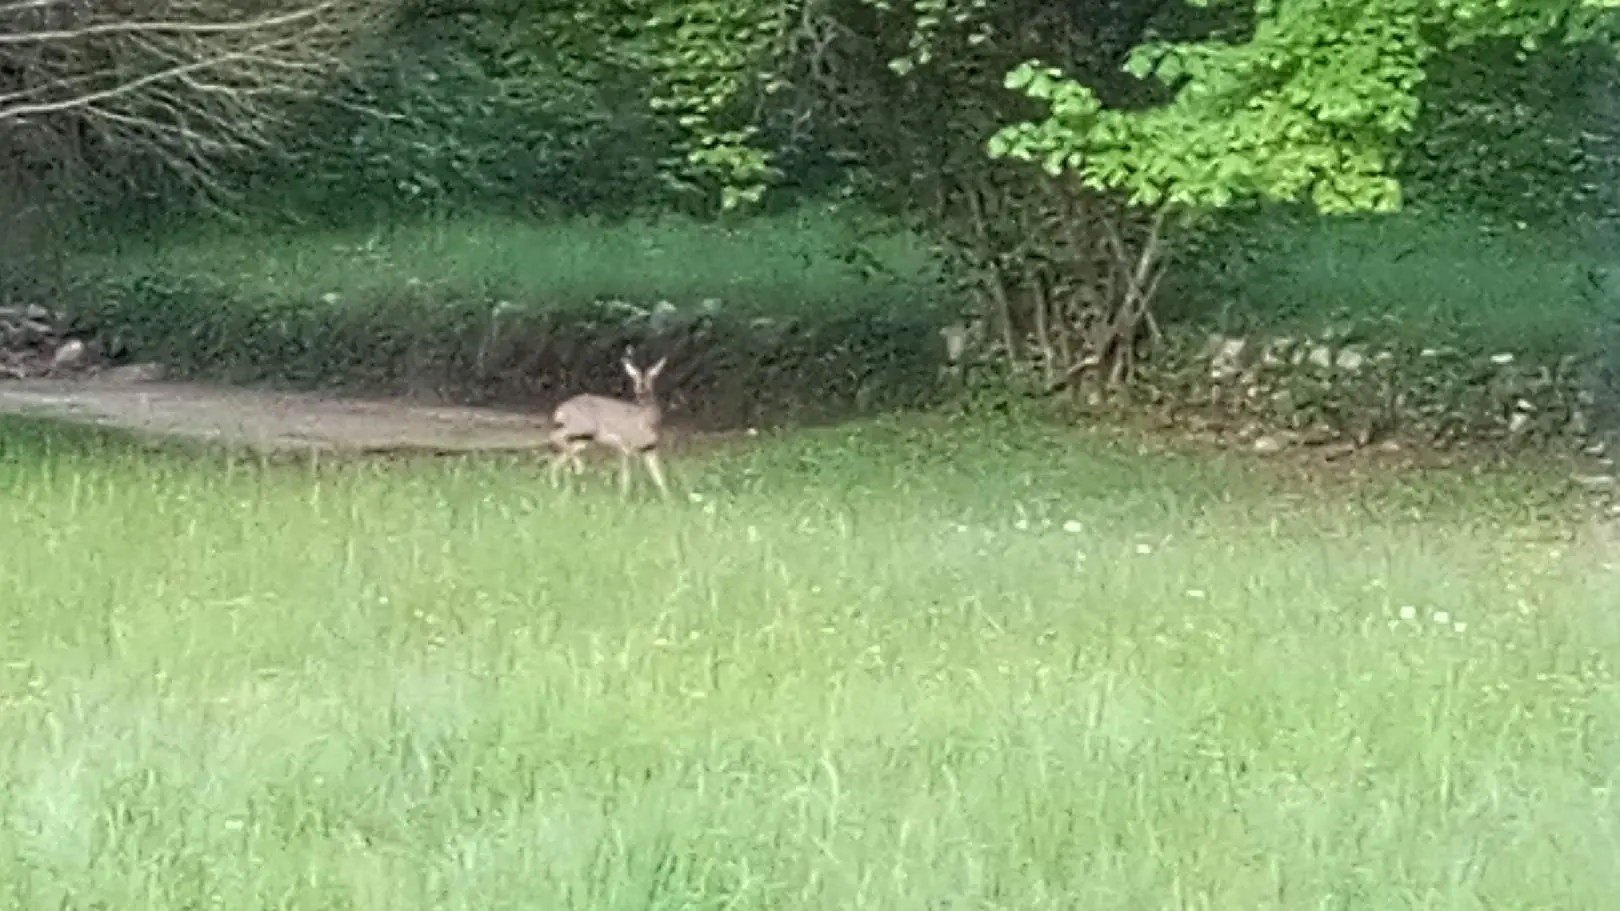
(69, 354)
(1226, 360)
(1350, 360)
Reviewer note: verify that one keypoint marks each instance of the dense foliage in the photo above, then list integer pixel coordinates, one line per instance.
(617, 105)
(1071, 165)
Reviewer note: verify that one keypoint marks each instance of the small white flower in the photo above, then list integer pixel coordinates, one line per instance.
(1073, 526)
(1441, 617)
(1408, 612)
(1144, 549)
(1459, 627)
(1021, 525)
(1196, 593)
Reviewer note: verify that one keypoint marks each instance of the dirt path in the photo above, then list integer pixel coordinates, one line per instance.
(285, 421)
(275, 420)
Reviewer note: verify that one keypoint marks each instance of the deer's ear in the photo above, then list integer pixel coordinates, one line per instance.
(657, 368)
(631, 369)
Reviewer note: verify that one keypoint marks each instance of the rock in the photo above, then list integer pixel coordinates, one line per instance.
(1519, 423)
(1276, 351)
(664, 316)
(69, 354)
(1350, 360)
(1267, 445)
(33, 343)
(1320, 356)
(1578, 426)
(1226, 357)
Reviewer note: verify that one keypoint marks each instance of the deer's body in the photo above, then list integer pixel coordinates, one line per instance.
(631, 427)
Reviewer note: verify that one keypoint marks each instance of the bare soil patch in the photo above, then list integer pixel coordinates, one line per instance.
(293, 422)
(275, 421)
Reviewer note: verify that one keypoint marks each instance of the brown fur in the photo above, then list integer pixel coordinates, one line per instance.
(633, 428)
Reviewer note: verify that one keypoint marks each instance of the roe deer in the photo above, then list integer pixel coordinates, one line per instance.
(631, 427)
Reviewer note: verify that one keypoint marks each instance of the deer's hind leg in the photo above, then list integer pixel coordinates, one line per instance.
(567, 450)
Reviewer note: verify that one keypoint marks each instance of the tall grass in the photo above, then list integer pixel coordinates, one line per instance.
(810, 259)
(890, 666)
(1415, 278)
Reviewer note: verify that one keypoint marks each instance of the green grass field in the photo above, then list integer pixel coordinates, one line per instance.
(1413, 279)
(799, 260)
(892, 666)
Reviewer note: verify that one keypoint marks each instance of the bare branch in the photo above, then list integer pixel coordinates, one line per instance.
(124, 88)
(162, 28)
(23, 7)
(180, 83)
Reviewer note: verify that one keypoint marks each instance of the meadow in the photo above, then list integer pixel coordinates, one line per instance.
(890, 665)
(1416, 278)
(812, 258)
